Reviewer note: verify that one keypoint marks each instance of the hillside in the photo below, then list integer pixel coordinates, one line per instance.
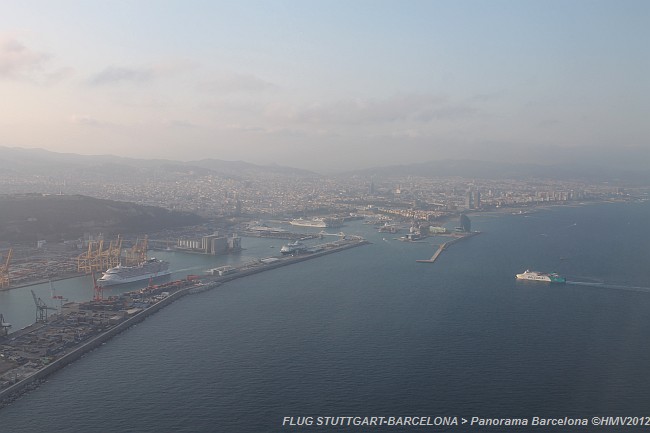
(30, 217)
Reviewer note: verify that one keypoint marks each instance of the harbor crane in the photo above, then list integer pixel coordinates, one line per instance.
(99, 290)
(138, 252)
(111, 257)
(86, 261)
(4, 270)
(4, 326)
(55, 296)
(99, 259)
(41, 308)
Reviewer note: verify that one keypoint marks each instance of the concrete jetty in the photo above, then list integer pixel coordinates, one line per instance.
(444, 246)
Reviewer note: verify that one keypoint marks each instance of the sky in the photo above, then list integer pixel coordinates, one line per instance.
(329, 85)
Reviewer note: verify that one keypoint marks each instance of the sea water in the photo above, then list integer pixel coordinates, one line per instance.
(370, 332)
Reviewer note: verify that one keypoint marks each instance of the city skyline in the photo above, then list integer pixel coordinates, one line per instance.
(328, 85)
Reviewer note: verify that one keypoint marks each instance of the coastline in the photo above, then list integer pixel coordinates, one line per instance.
(533, 208)
(521, 209)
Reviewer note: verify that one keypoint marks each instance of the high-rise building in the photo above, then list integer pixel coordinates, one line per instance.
(472, 199)
(465, 223)
(469, 199)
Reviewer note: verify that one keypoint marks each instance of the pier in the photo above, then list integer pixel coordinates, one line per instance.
(444, 246)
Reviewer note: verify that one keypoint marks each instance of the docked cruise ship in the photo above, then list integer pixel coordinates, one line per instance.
(541, 276)
(317, 222)
(150, 268)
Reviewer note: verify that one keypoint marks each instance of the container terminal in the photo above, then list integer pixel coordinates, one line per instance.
(29, 355)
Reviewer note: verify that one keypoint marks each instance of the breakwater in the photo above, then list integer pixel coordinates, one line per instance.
(445, 245)
(278, 235)
(285, 261)
(11, 393)
(14, 391)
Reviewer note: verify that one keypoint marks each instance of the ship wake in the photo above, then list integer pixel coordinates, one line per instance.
(610, 286)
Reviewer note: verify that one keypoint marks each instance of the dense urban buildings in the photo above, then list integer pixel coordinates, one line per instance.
(276, 195)
(239, 205)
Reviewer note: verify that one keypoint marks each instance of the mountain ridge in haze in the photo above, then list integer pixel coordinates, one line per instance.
(20, 161)
(501, 170)
(45, 162)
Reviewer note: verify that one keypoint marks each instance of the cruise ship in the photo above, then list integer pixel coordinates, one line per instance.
(541, 276)
(150, 268)
(316, 222)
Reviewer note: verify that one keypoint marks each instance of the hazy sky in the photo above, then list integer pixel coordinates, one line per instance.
(321, 84)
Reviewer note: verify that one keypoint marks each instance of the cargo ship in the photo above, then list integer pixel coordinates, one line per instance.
(541, 276)
(150, 268)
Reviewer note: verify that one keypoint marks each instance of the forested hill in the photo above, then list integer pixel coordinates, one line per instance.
(31, 217)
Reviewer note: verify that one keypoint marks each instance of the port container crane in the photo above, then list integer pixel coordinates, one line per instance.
(111, 257)
(138, 252)
(86, 260)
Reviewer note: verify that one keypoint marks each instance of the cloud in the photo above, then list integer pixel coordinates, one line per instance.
(182, 124)
(485, 97)
(245, 128)
(86, 120)
(228, 83)
(114, 75)
(16, 60)
(175, 66)
(416, 108)
(58, 75)
(549, 123)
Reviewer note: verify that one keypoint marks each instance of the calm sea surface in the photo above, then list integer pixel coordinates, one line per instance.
(370, 332)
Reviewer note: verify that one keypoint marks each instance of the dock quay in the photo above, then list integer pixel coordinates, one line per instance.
(277, 262)
(278, 235)
(445, 245)
(31, 354)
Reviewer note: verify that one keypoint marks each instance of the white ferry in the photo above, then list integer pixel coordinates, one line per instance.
(541, 276)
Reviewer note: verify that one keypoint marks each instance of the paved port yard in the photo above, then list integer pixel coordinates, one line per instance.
(29, 355)
(42, 348)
